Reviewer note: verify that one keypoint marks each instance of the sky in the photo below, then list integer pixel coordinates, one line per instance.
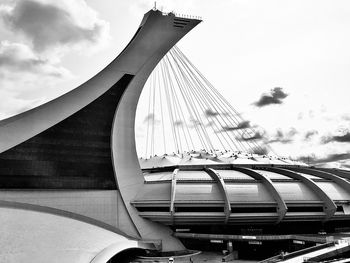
(284, 65)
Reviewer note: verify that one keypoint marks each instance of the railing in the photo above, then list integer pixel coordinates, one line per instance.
(308, 250)
(187, 16)
(297, 253)
(272, 259)
(180, 15)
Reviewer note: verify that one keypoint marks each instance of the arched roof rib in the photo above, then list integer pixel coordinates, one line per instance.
(173, 194)
(282, 207)
(341, 173)
(324, 175)
(222, 186)
(329, 206)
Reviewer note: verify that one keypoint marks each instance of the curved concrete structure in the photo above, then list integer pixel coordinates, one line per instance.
(77, 153)
(37, 236)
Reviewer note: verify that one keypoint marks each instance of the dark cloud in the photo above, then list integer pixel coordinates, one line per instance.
(329, 158)
(260, 150)
(283, 137)
(310, 134)
(280, 140)
(276, 96)
(241, 125)
(210, 113)
(47, 25)
(178, 123)
(336, 138)
(251, 135)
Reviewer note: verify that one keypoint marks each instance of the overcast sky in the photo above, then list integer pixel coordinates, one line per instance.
(283, 64)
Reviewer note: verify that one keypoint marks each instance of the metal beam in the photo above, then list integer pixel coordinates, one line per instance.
(337, 172)
(282, 207)
(198, 236)
(173, 194)
(325, 175)
(222, 186)
(329, 206)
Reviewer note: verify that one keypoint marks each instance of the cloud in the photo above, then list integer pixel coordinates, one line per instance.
(260, 150)
(310, 134)
(194, 123)
(241, 125)
(292, 131)
(210, 124)
(178, 123)
(346, 117)
(17, 57)
(210, 113)
(276, 96)
(336, 138)
(44, 30)
(329, 158)
(23, 73)
(283, 137)
(11, 104)
(51, 24)
(300, 116)
(280, 138)
(151, 118)
(251, 135)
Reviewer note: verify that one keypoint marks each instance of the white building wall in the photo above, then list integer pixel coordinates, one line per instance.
(101, 205)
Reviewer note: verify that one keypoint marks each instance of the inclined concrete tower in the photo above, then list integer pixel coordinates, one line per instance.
(75, 156)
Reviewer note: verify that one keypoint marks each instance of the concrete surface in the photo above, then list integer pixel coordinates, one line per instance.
(37, 237)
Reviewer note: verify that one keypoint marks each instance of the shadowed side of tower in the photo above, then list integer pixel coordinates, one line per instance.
(65, 154)
(73, 154)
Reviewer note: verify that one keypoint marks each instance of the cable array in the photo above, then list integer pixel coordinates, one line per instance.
(199, 117)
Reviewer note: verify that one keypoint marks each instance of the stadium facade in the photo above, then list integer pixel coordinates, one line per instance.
(69, 169)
